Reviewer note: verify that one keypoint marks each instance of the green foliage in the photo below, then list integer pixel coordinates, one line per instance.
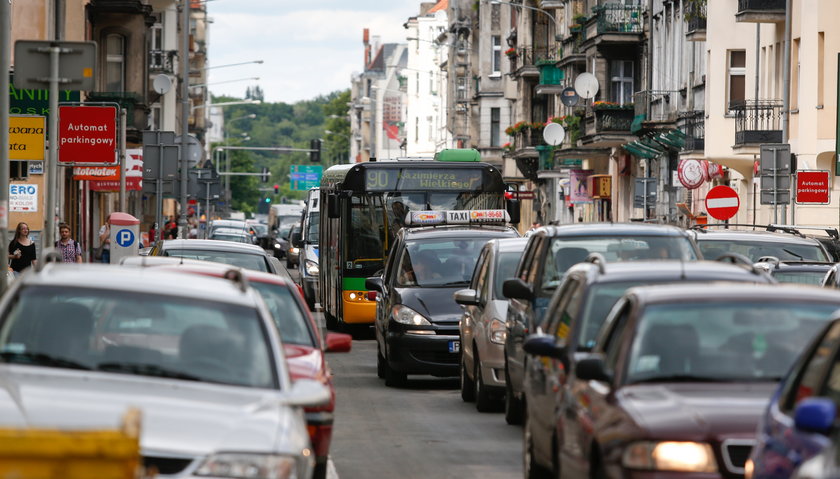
(282, 125)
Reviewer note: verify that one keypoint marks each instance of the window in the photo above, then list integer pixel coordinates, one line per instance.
(621, 81)
(496, 62)
(736, 87)
(114, 63)
(461, 88)
(495, 126)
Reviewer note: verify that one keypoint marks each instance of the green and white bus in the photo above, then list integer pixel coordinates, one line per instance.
(363, 205)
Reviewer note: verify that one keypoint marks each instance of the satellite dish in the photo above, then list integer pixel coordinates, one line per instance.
(586, 85)
(553, 134)
(162, 84)
(569, 97)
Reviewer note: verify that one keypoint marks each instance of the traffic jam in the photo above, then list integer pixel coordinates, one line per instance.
(619, 350)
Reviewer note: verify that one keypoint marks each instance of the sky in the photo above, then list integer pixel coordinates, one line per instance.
(309, 47)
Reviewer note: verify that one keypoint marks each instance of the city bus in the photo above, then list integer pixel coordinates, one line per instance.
(363, 205)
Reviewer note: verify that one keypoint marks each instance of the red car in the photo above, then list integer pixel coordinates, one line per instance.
(302, 341)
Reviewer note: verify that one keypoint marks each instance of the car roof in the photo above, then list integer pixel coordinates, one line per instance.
(212, 245)
(136, 280)
(509, 245)
(743, 235)
(715, 291)
(608, 229)
(668, 270)
(457, 231)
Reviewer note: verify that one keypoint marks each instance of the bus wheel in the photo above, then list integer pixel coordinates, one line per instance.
(332, 323)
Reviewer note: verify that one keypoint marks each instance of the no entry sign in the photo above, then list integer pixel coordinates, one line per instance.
(87, 135)
(722, 202)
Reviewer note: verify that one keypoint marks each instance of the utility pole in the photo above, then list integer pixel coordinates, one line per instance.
(5, 64)
(185, 114)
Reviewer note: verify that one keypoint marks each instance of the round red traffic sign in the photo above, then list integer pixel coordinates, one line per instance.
(722, 202)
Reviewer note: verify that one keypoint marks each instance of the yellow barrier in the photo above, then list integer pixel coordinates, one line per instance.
(76, 454)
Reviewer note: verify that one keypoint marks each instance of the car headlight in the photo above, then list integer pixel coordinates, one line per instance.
(670, 456)
(405, 315)
(246, 466)
(498, 332)
(278, 246)
(294, 250)
(311, 268)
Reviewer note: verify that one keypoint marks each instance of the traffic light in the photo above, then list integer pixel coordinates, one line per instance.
(315, 151)
(276, 189)
(268, 199)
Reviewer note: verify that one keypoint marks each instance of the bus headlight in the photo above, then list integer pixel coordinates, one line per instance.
(311, 268)
(405, 315)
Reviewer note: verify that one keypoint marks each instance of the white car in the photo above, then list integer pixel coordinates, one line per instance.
(80, 343)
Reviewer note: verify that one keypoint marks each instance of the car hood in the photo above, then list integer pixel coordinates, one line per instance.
(692, 411)
(434, 303)
(305, 362)
(178, 417)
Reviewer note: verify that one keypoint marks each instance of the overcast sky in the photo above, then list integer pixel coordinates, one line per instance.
(309, 47)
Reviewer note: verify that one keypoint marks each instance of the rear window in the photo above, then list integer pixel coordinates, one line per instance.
(243, 260)
(294, 326)
(754, 250)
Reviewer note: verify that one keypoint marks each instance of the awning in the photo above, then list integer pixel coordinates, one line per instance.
(655, 144)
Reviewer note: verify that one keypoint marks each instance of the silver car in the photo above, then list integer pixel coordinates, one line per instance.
(482, 325)
(201, 358)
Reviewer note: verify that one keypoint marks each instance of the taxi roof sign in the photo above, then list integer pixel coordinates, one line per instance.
(456, 217)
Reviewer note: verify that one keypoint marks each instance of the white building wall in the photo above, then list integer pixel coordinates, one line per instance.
(425, 95)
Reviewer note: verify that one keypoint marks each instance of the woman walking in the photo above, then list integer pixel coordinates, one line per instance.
(21, 250)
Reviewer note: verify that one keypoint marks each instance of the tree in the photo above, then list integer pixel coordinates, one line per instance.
(336, 148)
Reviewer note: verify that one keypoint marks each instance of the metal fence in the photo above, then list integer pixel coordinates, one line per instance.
(693, 124)
(760, 5)
(658, 105)
(757, 121)
(613, 18)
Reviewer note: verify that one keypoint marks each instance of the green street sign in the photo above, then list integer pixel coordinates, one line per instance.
(572, 162)
(304, 177)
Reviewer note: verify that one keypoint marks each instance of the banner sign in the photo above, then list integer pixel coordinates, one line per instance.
(107, 178)
(27, 137)
(87, 135)
(23, 198)
(578, 189)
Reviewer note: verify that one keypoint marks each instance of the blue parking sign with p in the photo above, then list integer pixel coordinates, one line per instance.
(125, 238)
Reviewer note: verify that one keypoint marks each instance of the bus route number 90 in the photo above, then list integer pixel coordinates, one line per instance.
(378, 180)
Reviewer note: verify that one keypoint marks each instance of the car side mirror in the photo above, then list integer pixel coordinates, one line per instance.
(543, 345)
(517, 289)
(815, 414)
(338, 342)
(374, 283)
(307, 393)
(592, 369)
(466, 297)
(296, 241)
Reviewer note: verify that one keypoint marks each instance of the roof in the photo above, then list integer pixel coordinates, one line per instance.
(607, 229)
(209, 268)
(507, 245)
(458, 231)
(441, 5)
(212, 245)
(712, 292)
(741, 235)
(667, 270)
(135, 280)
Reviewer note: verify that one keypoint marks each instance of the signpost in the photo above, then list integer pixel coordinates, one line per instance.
(722, 202)
(304, 177)
(87, 135)
(813, 187)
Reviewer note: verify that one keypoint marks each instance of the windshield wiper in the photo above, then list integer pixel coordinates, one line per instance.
(680, 378)
(146, 370)
(42, 359)
(455, 283)
(793, 254)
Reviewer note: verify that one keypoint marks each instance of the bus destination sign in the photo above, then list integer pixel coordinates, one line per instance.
(406, 179)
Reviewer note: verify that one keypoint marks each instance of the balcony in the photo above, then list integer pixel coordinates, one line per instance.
(134, 109)
(693, 124)
(615, 24)
(551, 78)
(571, 51)
(527, 59)
(608, 126)
(760, 11)
(696, 18)
(161, 61)
(757, 122)
(656, 109)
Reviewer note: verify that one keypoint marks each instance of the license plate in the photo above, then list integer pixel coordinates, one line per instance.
(454, 346)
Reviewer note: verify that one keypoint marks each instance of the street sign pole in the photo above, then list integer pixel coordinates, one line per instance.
(48, 236)
(775, 186)
(5, 63)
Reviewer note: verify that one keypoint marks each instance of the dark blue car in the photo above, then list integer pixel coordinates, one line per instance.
(801, 414)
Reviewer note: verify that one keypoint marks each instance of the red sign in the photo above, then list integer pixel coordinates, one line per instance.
(520, 195)
(690, 173)
(107, 178)
(813, 187)
(87, 135)
(722, 202)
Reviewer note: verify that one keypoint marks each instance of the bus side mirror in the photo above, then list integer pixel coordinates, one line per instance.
(513, 207)
(333, 210)
(295, 240)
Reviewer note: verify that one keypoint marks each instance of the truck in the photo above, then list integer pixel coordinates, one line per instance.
(281, 219)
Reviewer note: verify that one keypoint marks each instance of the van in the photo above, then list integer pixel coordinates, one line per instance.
(308, 258)
(281, 219)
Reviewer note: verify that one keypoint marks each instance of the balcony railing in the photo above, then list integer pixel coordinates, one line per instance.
(161, 61)
(757, 121)
(529, 56)
(528, 138)
(615, 18)
(612, 120)
(658, 105)
(693, 124)
(696, 16)
(759, 5)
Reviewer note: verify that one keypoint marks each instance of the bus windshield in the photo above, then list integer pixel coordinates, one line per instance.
(365, 236)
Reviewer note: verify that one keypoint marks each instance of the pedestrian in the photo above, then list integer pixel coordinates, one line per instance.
(105, 240)
(171, 228)
(71, 251)
(21, 251)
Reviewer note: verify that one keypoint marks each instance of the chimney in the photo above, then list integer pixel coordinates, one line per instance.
(366, 43)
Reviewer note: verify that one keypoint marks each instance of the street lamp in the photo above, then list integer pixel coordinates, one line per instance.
(229, 65)
(226, 81)
(249, 101)
(557, 37)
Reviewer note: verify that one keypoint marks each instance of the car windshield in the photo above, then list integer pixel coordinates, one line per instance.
(755, 249)
(128, 332)
(439, 263)
(800, 277)
(252, 261)
(737, 340)
(505, 269)
(260, 228)
(236, 238)
(290, 320)
(568, 251)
